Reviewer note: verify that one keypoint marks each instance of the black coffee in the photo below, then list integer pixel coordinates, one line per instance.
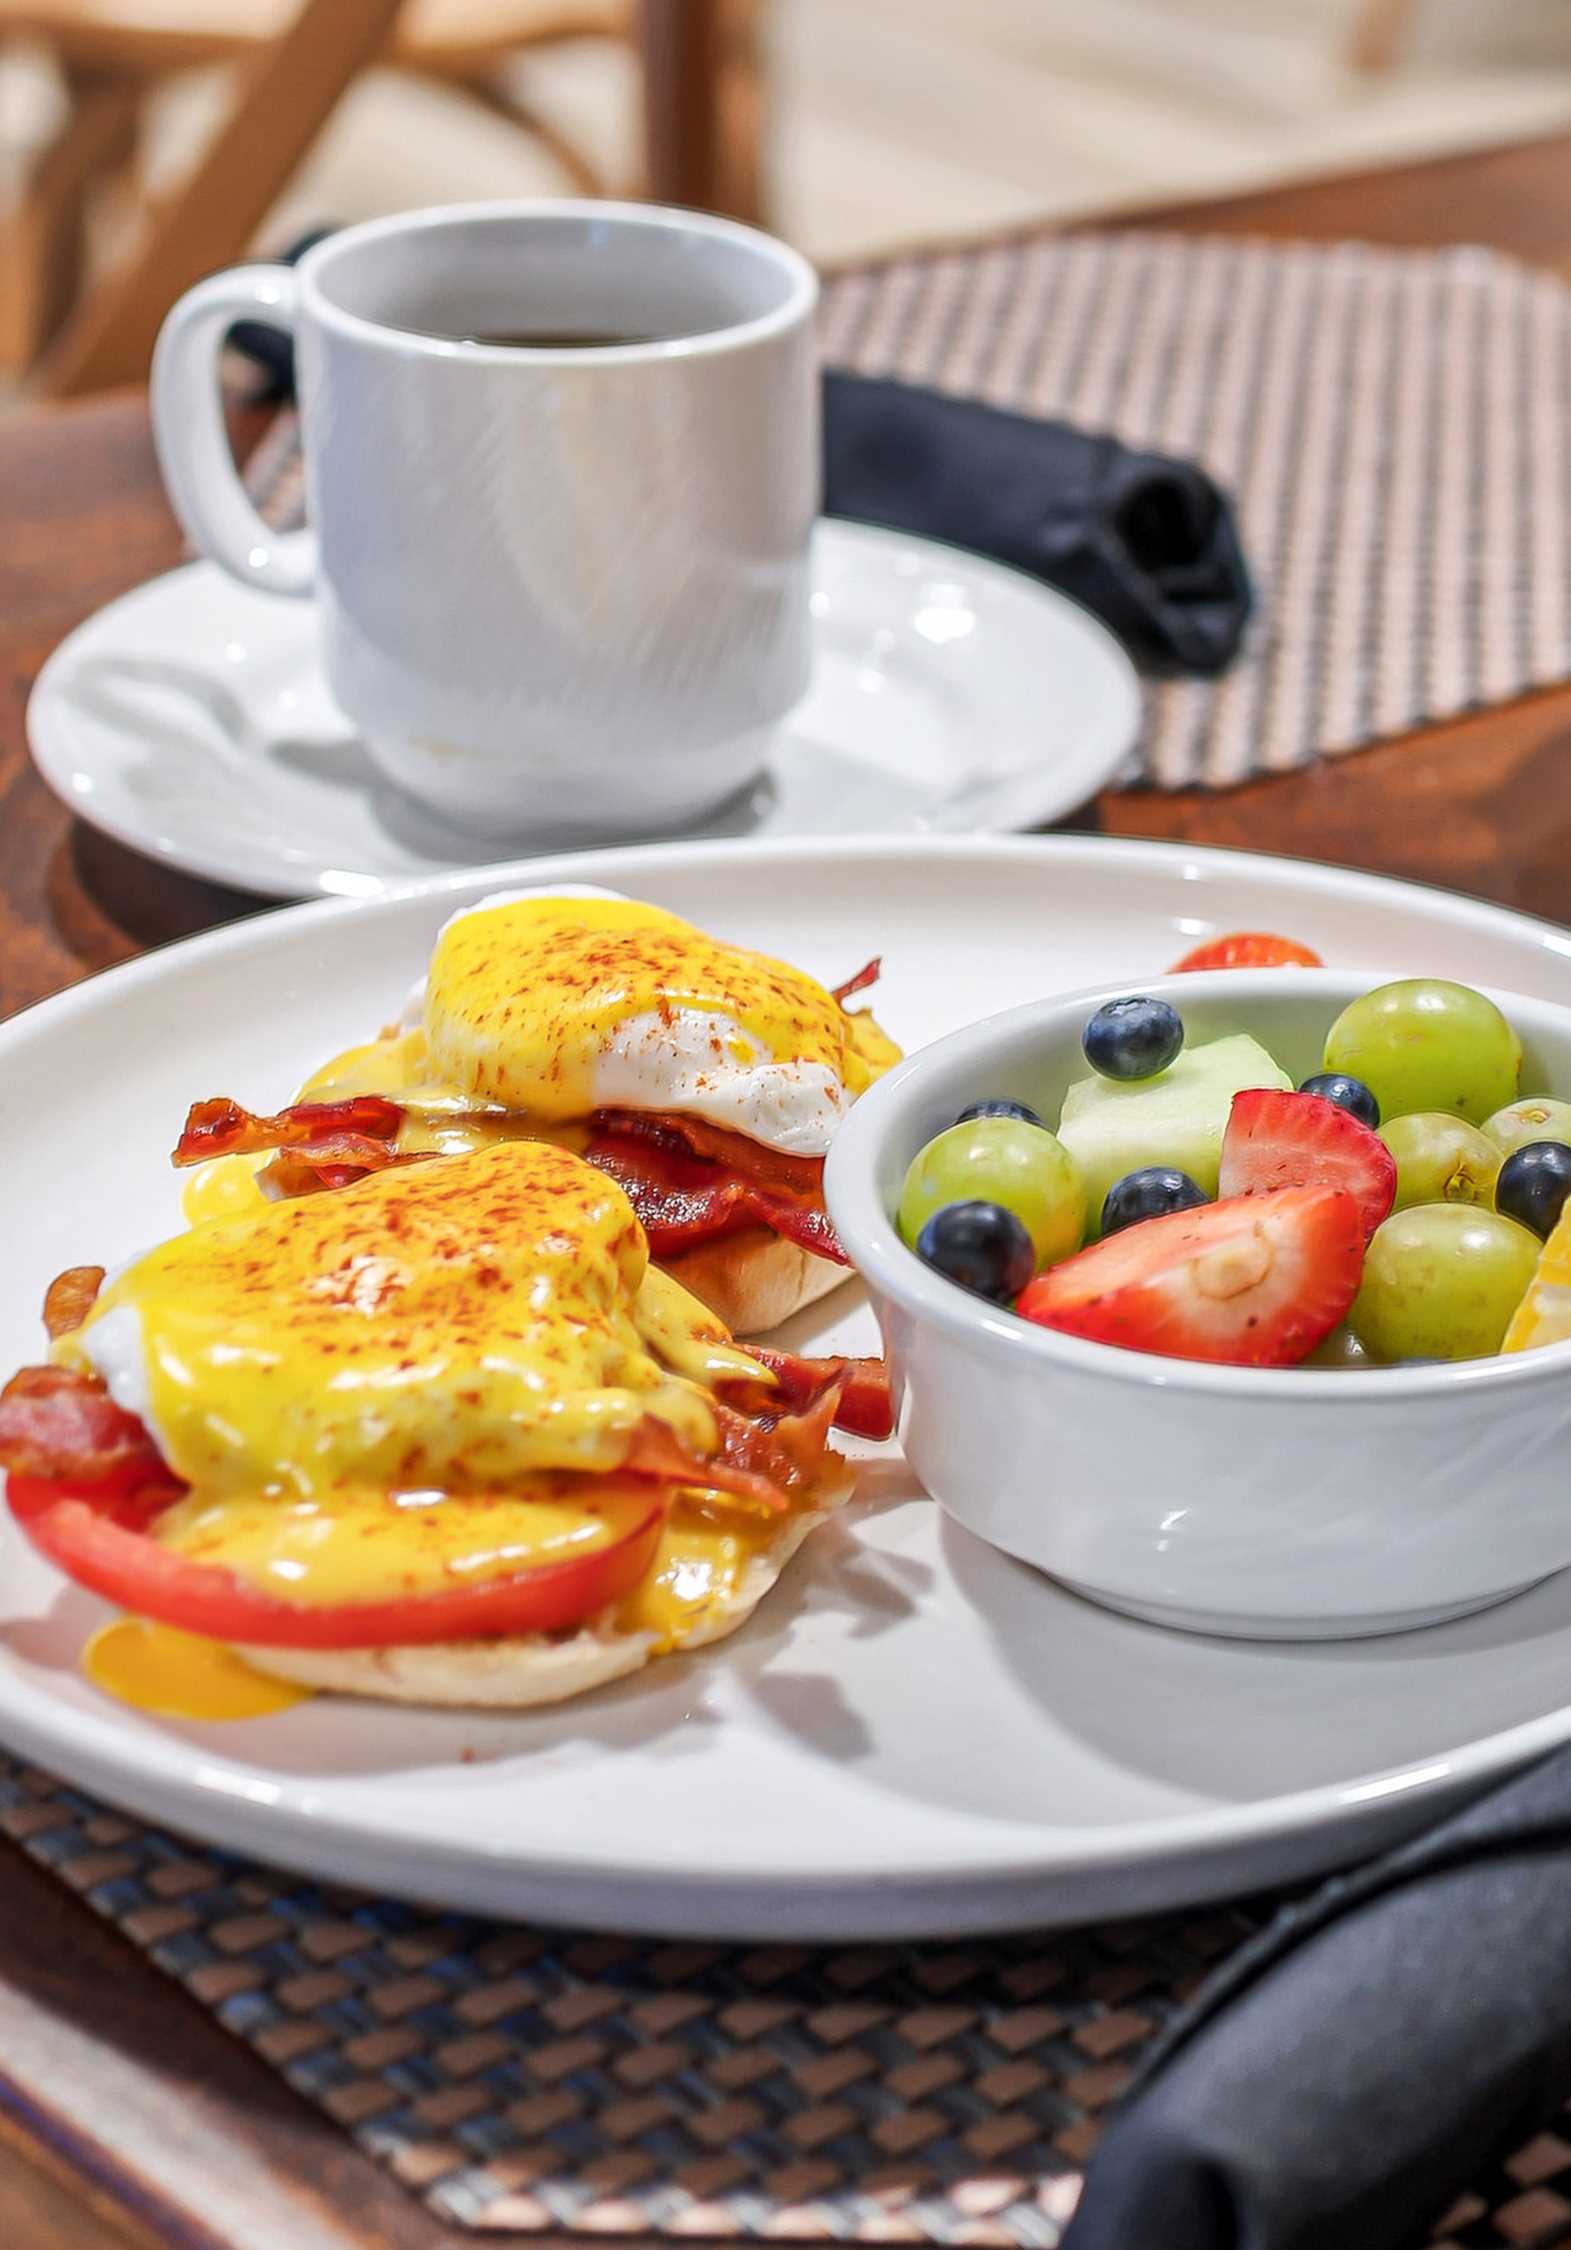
(559, 339)
(540, 339)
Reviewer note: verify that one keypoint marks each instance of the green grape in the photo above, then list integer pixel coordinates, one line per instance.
(1000, 1160)
(1440, 1160)
(1538, 1117)
(1425, 1045)
(1441, 1281)
(1340, 1349)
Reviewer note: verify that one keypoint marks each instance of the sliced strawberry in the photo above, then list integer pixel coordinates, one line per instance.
(1254, 1282)
(1276, 1140)
(1249, 949)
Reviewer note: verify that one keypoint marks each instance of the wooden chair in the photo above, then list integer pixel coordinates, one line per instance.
(1378, 30)
(297, 58)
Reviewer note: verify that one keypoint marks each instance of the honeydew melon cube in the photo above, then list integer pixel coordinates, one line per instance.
(1111, 1126)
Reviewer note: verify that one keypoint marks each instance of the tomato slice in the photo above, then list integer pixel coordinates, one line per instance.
(95, 1537)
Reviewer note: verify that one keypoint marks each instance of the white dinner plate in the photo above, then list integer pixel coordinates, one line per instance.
(191, 720)
(914, 1733)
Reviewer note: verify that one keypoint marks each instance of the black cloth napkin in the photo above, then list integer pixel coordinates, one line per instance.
(1147, 543)
(1348, 2072)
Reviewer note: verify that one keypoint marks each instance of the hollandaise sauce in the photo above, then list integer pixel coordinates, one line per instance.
(523, 996)
(697, 1575)
(444, 1327)
(179, 1675)
(353, 1547)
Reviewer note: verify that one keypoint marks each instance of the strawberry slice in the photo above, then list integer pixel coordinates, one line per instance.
(1254, 1282)
(1249, 949)
(1276, 1140)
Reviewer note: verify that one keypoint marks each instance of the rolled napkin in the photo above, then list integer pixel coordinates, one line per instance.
(1350, 2070)
(1146, 542)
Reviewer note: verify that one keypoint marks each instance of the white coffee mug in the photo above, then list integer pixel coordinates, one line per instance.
(563, 585)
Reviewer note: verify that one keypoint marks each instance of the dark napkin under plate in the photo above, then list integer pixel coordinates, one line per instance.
(1349, 2071)
(1146, 542)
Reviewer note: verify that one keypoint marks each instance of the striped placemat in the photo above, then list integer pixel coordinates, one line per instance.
(524, 2080)
(1394, 427)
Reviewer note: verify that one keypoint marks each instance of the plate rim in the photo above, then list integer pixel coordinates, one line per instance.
(1184, 1854)
(48, 729)
(1324, 876)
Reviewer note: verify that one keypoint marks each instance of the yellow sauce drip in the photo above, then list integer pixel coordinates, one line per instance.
(697, 1571)
(224, 1188)
(180, 1676)
(437, 1120)
(688, 1338)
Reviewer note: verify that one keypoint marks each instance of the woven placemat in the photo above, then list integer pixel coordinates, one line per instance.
(521, 2079)
(1394, 427)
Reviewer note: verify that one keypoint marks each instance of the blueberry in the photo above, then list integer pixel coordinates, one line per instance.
(1534, 1183)
(1350, 1094)
(1133, 1038)
(1026, 1115)
(982, 1246)
(1149, 1194)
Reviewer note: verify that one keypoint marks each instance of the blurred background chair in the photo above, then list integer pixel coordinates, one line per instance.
(294, 60)
(1376, 34)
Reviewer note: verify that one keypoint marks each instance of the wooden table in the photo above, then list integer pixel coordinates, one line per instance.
(127, 2115)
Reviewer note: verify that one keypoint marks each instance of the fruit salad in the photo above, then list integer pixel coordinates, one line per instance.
(1403, 1204)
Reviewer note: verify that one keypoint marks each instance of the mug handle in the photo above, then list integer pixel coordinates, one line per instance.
(198, 468)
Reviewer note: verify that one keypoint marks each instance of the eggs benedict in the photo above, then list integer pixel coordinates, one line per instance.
(443, 1436)
(706, 1079)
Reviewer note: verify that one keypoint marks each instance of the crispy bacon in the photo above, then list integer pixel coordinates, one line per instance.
(59, 1425)
(689, 1181)
(293, 1172)
(683, 1200)
(735, 1152)
(60, 1422)
(860, 982)
(788, 1451)
(657, 1452)
(865, 1406)
(70, 1298)
(361, 1131)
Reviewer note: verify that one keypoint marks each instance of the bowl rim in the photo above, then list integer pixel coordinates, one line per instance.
(867, 1232)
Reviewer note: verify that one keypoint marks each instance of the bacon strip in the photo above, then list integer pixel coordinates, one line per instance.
(866, 1406)
(689, 1181)
(734, 1152)
(788, 1451)
(60, 1422)
(684, 1200)
(860, 982)
(361, 1131)
(70, 1297)
(657, 1452)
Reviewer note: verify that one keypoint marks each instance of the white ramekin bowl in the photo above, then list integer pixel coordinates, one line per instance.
(1294, 1503)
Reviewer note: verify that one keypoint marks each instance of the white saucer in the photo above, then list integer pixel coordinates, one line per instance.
(190, 720)
(914, 1734)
